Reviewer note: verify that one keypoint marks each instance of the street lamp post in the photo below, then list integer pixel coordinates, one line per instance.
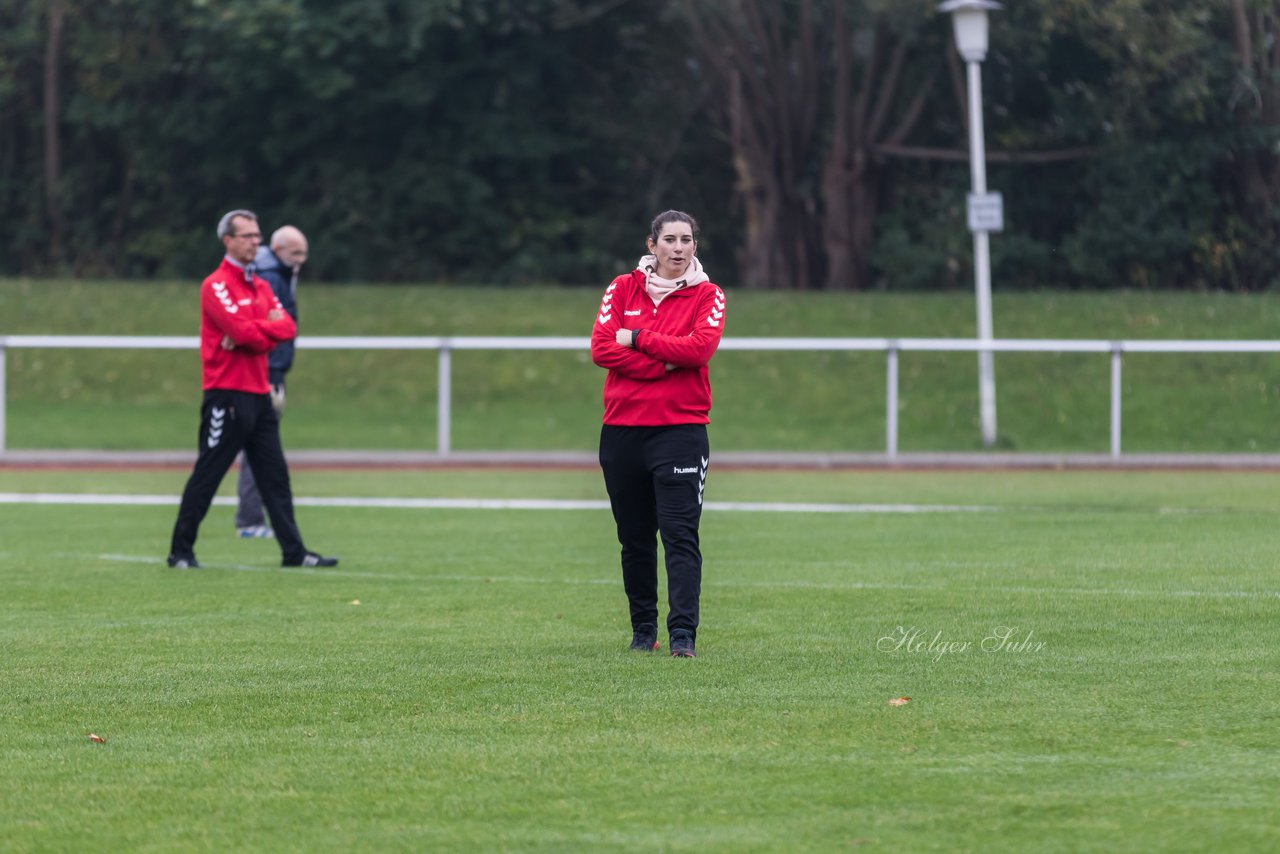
(985, 210)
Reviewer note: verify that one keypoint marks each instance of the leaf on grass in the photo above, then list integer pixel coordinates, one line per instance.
(97, 739)
(899, 701)
(355, 601)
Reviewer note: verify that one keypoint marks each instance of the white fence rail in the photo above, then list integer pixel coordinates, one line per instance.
(891, 347)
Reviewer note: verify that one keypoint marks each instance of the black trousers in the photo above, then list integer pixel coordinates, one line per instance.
(232, 421)
(249, 510)
(655, 477)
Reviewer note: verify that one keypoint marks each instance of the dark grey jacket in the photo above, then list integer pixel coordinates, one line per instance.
(284, 282)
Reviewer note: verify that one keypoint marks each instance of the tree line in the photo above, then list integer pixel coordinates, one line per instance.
(822, 143)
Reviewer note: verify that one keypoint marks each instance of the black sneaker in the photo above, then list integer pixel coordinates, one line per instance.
(682, 643)
(311, 559)
(644, 638)
(183, 562)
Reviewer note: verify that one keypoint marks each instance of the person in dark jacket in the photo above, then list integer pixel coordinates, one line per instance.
(279, 265)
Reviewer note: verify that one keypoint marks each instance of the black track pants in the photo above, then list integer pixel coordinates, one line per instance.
(249, 510)
(231, 421)
(655, 477)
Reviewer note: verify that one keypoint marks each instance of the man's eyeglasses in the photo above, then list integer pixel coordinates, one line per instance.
(250, 235)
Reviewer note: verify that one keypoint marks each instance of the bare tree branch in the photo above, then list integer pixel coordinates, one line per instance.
(888, 89)
(958, 86)
(1246, 75)
(841, 85)
(911, 115)
(808, 66)
(1243, 38)
(1268, 25)
(575, 16)
(863, 100)
(958, 155)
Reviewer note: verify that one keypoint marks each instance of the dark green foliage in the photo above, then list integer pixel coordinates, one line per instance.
(412, 140)
(530, 142)
(1157, 193)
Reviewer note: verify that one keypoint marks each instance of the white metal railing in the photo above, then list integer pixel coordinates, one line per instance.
(891, 347)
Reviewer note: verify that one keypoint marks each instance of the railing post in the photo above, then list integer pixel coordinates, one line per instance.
(891, 402)
(443, 399)
(1117, 348)
(3, 393)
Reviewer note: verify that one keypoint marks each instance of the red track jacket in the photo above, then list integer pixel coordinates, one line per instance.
(229, 305)
(683, 330)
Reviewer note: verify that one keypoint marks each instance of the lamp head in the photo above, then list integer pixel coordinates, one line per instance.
(969, 19)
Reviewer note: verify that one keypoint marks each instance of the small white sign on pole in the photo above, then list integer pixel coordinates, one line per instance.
(986, 212)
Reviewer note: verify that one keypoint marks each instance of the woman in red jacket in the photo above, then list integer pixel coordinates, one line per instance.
(657, 329)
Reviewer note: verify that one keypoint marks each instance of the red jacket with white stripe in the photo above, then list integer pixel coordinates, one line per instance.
(230, 305)
(683, 331)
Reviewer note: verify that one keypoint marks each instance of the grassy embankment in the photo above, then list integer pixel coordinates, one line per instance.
(764, 401)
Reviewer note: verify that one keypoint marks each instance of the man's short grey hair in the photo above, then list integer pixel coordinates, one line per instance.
(224, 224)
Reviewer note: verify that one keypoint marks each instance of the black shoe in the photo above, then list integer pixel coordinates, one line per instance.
(311, 559)
(183, 562)
(682, 643)
(644, 638)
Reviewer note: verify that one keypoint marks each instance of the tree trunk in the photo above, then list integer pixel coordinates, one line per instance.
(52, 132)
(1257, 104)
(771, 79)
(866, 208)
(759, 203)
(121, 219)
(851, 177)
(780, 64)
(840, 174)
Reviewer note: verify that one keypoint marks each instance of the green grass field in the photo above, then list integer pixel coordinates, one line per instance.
(480, 696)
(763, 401)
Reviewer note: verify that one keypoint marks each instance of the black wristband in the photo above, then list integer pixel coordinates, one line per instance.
(635, 336)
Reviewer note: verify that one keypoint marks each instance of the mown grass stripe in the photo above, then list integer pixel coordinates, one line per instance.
(101, 499)
(717, 582)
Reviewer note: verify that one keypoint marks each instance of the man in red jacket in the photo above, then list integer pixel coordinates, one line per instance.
(657, 328)
(240, 322)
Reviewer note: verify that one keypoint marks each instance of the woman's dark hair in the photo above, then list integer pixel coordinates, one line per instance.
(655, 228)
